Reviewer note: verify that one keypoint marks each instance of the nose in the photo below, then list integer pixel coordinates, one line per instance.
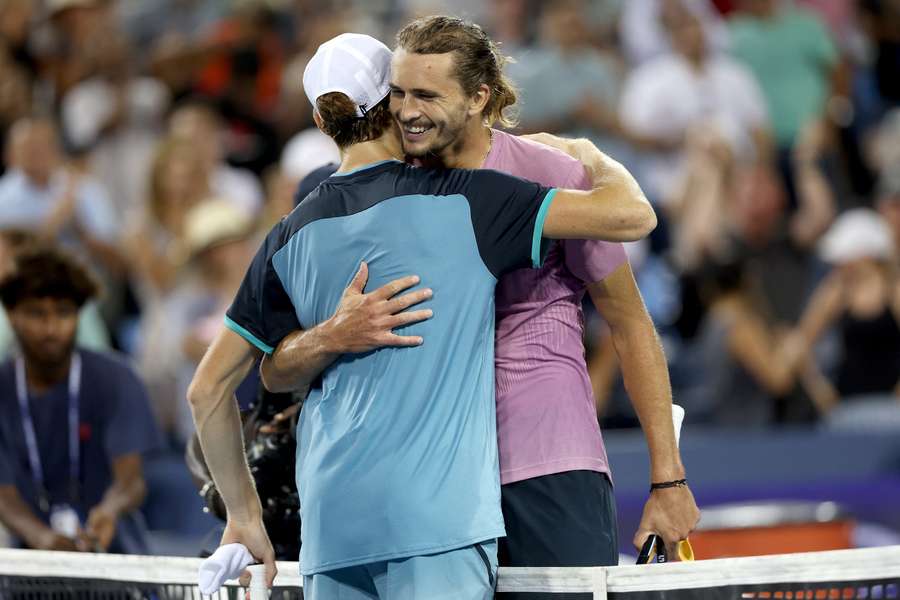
(409, 109)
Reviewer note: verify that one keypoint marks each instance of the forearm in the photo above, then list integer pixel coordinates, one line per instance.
(218, 423)
(646, 378)
(816, 209)
(221, 437)
(299, 359)
(124, 496)
(20, 519)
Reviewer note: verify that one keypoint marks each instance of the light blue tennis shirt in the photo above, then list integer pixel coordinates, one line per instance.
(397, 448)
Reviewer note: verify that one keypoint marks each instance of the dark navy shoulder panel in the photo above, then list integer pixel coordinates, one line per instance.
(504, 208)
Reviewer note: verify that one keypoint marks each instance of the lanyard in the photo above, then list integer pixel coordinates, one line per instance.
(34, 457)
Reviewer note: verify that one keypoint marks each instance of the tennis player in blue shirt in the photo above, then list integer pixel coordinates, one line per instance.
(397, 451)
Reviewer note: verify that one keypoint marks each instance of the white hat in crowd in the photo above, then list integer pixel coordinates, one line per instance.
(357, 65)
(213, 222)
(858, 233)
(306, 152)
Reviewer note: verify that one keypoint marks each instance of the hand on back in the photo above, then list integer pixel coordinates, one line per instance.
(365, 321)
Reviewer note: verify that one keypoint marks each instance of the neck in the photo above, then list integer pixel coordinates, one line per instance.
(42, 377)
(386, 147)
(696, 60)
(472, 149)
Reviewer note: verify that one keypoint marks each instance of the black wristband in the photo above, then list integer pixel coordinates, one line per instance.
(668, 484)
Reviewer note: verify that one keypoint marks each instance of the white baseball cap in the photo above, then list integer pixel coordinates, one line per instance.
(357, 65)
(858, 233)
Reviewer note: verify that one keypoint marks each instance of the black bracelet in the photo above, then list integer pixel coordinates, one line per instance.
(668, 484)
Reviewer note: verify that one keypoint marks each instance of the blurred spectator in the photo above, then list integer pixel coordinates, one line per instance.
(566, 84)
(888, 204)
(16, 17)
(742, 363)
(643, 37)
(687, 88)
(201, 126)
(80, 33)
(42, 194)
(861, 299)
(179, 179)
(243, 77)
(218, 248)
(793, 57)
(146, 22)
(304, 153)
(77, 489)
(728, 208)
(510, 25)
(15, 96)
(881, 20)
(91, 333)
(115, 117)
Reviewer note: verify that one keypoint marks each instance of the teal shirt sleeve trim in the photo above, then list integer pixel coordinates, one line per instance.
(537, 253)
(248, 336)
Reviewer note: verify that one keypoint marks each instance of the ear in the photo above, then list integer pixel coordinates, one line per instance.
(318, 119)
(479, 100)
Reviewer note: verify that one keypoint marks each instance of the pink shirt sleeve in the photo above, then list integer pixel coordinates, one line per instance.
(590, 261)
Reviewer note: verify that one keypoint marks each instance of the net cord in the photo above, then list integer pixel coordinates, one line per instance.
(838, 565)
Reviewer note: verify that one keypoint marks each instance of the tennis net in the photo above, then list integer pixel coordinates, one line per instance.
(865, 574)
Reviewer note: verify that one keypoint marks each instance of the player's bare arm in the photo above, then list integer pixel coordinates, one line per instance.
(218, 422)
(362, 322)
(615, 210)
(672, 512)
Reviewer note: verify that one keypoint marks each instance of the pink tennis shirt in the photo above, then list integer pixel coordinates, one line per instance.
(546, 420)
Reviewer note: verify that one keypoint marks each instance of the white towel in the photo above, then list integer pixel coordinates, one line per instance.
(228, 562)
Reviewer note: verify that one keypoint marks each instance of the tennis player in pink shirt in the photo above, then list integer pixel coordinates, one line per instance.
(447, 90)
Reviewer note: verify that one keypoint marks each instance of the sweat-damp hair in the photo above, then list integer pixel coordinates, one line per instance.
(341, 123)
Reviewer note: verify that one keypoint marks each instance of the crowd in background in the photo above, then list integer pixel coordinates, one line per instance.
(158, 140)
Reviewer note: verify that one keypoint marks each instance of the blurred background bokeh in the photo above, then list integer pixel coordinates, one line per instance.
(158, 139)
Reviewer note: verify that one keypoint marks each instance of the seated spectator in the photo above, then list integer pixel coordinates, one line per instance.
(771, 32)
(199, 125)
(114, 118)
(691, 87)
(861, 300)
(744, 363)
(566, 84)
(178, 182)
(75, 424)
(91, 333)
(304, 153)
(218, 249)
(40, 194)
(642, 34)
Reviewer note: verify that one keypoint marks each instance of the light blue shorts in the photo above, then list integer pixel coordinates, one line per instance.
(468, 573)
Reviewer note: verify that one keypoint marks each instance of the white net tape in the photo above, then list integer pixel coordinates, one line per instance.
(796, 570)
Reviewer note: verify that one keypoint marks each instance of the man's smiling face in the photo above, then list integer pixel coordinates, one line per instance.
(428, 103)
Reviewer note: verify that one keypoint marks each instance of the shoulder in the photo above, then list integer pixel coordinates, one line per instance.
(108, 364)
(656, 70)
(729, 69)
(537, 162)
(11, 180)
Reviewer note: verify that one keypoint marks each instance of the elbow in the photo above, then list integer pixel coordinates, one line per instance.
(272, 379)
(649, 221)
(199, 394)
(779, 384)
(643, 224)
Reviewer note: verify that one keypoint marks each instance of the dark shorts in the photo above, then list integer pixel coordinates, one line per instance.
(560, 520)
